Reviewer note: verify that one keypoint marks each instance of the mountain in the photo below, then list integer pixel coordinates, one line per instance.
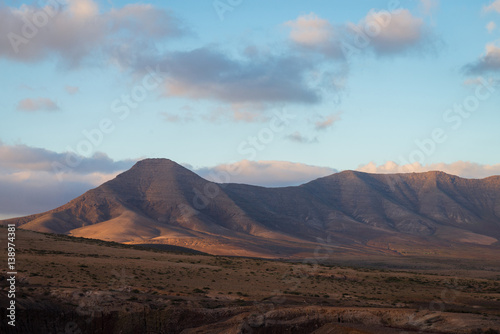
(160, 202)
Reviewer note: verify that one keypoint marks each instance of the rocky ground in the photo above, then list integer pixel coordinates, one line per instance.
(73, 285)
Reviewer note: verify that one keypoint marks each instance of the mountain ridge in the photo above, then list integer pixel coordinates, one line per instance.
(160, 201)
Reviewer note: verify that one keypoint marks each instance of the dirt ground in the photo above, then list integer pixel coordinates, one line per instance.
(99, 287)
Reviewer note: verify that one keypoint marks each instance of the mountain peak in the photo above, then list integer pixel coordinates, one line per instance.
(155, 162)
(154, 174)
(157, 165)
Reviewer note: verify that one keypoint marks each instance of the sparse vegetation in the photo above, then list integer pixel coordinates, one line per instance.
(128, 277)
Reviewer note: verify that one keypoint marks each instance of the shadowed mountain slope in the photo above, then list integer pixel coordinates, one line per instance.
(159, 201)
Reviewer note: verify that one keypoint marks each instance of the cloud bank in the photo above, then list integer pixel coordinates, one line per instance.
(264, 173)
(489, 62)
(30, 184)
(300, 138)
(393, 32)
(73, 30)
(493, 7)
(382, 32)
(464, 169)
(327, 122)
(37, 104)
(312, 33)
(22, 158)
(207, 73)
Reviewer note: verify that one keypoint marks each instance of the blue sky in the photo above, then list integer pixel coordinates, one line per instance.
(289, 90)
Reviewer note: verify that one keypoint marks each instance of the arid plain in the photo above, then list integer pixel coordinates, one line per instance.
(76, 285)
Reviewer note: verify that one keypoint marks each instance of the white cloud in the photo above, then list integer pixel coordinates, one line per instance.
(29, 192)
(207, 73)
(80, 29)
(488, 62)
(428, 6)
(479, 81)
(37, 104)
(17, 158)
(146, 19)
(72, 90)
(491, 26)
(300, 138)
(312, 32)
(82, 9)
(29, 183)
(382, 32)
(493, 7)
(327, 122)
(264, 173)
(392, 32)
(461, 168)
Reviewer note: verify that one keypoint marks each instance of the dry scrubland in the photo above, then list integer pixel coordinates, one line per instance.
(74, 285)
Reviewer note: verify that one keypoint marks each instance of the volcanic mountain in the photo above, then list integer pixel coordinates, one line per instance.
(158, 201)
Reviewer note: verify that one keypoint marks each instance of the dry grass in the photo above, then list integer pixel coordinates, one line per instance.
(93, 274)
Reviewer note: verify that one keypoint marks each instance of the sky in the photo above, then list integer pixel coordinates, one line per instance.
(282, 91)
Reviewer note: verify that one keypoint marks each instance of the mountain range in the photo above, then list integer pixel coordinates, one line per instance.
(158, 201)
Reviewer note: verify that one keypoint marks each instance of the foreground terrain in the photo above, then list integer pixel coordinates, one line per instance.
(76, 285)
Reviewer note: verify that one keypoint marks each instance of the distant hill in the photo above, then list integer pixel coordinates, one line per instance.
(158, 201)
